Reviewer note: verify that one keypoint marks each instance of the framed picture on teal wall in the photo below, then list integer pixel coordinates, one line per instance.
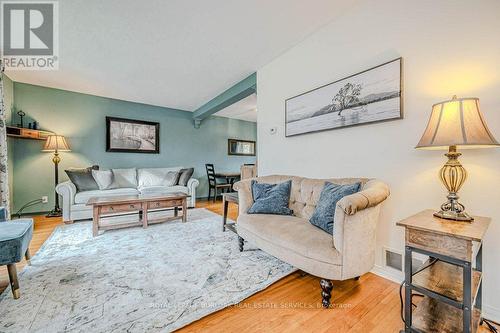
(240, 147)
(132, 136)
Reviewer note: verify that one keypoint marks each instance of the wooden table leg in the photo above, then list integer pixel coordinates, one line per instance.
(184, 210)
(144, 215)
(95, 221)
(224, 219)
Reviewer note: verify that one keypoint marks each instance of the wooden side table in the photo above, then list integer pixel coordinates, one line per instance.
(449, 283)
(226, 199)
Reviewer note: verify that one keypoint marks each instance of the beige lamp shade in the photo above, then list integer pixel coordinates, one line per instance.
(457, 122)
(56, 143)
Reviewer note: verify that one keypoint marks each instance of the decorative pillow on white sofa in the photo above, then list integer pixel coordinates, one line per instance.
(103, 178)
(124, 178)
(157, 176)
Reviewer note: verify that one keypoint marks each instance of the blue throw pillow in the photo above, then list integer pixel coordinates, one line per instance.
(271, 198)
(323, 216)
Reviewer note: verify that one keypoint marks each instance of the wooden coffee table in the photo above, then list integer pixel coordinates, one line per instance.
(112, 206)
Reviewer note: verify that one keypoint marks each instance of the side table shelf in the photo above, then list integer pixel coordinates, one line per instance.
(436, 279)
(432, 315)
(451, 286)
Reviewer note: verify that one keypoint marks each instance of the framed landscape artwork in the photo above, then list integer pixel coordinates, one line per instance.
(370, 96)
(240, 147)
(132, 136)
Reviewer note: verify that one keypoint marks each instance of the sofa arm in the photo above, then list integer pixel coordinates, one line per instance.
(192, 184)
(373, 193)
(68, 191)
(355, 228)
(354, 236)
(245, 198)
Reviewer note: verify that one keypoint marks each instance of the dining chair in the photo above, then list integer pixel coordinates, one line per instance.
(15, 238)
(213, 184)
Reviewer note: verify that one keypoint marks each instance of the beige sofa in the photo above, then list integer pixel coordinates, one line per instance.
(348, 253)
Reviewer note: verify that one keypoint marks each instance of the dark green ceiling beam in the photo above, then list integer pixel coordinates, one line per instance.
(240, 90)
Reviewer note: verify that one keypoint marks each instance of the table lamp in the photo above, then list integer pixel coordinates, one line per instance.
(455, 123)
(56, 143)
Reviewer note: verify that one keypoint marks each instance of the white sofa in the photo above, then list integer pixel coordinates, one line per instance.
(74, 204)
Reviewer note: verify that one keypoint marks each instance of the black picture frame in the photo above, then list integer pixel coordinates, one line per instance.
(230, 151)
(401, 95)
(110, 148)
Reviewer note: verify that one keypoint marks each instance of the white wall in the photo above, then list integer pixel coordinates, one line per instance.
(448, 47)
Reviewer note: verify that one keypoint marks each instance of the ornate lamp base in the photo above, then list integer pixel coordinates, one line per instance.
(457, 216)
(453, 175)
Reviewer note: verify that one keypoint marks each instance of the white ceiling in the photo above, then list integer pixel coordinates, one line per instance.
(244, 109)
(174, 53)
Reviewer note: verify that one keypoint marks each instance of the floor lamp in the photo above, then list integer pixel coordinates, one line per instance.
(55, 144)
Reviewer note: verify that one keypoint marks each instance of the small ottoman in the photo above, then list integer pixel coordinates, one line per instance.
(15, 237)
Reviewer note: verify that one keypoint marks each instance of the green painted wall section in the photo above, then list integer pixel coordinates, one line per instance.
(81, 118)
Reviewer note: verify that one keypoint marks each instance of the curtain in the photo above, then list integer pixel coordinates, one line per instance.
(4, 176)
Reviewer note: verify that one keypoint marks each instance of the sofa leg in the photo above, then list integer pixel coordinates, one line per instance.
(14, 283)
(326, 292)
(68, 222)
(241, 242)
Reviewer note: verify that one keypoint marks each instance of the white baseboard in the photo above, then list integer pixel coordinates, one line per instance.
(492, 313)
(388, 273)
(489, 312)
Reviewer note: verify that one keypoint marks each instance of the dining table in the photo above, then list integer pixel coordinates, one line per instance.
(230, 177)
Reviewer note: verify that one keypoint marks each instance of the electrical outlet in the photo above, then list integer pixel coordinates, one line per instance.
(45, 199)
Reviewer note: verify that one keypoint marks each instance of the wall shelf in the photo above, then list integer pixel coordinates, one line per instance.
(27, 133)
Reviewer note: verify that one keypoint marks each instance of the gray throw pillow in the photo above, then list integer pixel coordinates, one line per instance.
(82, 178)
(103, 178)
(124, 178)
(185, 175)
(171, 178)
(271, 198)
(323, 216)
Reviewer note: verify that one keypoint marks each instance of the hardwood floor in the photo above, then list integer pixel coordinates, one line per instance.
(292, 304)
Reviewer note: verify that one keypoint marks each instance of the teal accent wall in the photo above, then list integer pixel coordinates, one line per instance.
(81, 119)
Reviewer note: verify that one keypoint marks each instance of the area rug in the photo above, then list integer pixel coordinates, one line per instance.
(136, 280)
